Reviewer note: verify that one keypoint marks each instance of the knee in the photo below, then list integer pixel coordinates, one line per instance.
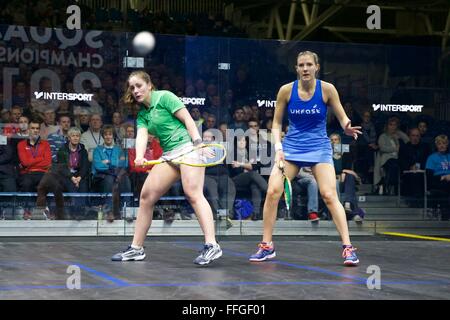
(192, 196)
(274, 193)
(147, 199)
(328, 196)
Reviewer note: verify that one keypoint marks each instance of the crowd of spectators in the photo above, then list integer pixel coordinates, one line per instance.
(93, 156)
(390, 153)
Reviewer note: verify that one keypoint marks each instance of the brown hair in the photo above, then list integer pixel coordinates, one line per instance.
(310, 53)
(313, 55)
(128, 96)
(107, 128)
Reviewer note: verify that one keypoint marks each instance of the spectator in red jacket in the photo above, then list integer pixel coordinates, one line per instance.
(139, 174)
(35, 159)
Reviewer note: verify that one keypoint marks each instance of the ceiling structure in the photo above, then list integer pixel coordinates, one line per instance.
(416, 22)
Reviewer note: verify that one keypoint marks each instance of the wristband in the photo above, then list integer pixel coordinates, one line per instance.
(278, 146)
(197, 142)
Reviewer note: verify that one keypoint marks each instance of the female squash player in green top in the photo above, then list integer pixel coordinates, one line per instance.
(163, 115)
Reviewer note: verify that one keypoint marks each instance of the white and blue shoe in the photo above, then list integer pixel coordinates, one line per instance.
(265, 252)
(130, 254)
(209, 253)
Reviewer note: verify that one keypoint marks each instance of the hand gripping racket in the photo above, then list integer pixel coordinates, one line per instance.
(287, 190)
(206, 155)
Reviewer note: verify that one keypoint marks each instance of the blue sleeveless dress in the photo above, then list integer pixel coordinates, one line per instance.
(306, 142)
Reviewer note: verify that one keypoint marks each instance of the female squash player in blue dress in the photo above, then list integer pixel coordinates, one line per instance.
(306, 145)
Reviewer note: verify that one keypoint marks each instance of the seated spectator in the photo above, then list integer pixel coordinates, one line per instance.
(239, 120)
(438, 175)
(82, 119)
(425, 135)
(64, 109)
(59, 138)
(260, 148)
(197, 117)
(211, 122)
(69, 173)
(7, 172)
(35, 159)
(23, 127)
(306, 181)
(92, 138)
(219, 187)
(412, 157)
(119, 130)
(346, 180)
(245, 177)
(366, 147)
(129, 131)
(7, 175)
(109, 172)
(5, 116)
(139, 174)
(386, 169)
(49, 125)
(12, 128)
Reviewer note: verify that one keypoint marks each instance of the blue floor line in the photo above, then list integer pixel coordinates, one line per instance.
(100, 274)
(30, 287)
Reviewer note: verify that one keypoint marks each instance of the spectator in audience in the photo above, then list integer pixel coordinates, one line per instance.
(5, 116)
(260, 147)
(228, 100)
(138, 174)
(346, 179)
(7, 171)
(20, 97)
(248, 113)
(92, 138)
(49, 125)
(216, 108)
(386, 169)
(425, 135)
(23, 127)
(130, 131)
(412, 157)
(12, 128)
(64, 109)
(219, 187)
(197, 117)
(366, 147)
(35, 159)
(82, 119)
(438, 175)
(59, 138)
(245, 177)
(7, 174)
(239, 121)
(109, 172)
(119, 130)
(211, 122)
(307, 181)
(69, 173)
